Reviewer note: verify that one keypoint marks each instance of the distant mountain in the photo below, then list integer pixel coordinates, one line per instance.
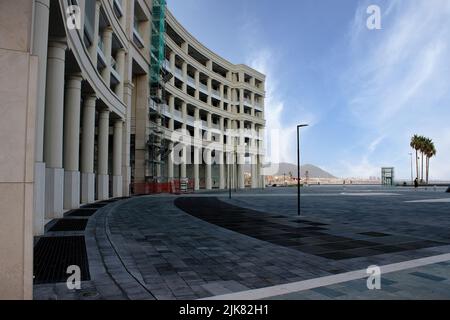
(313, 171)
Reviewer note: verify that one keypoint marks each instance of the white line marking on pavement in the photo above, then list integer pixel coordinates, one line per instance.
(368, 194)
(327, 281)
(444, 200)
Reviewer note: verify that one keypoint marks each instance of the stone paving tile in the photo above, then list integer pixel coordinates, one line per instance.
(417, 283)
(147, 248)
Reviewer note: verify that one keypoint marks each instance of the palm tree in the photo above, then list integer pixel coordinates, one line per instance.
(430, 151)
(422, 148)
(415, 144)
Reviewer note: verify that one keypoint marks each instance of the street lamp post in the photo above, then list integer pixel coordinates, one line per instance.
(298, 166)
(229, 175)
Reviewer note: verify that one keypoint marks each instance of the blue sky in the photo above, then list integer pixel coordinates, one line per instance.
(364, 92)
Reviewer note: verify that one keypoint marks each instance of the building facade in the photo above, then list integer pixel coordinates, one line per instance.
(81, 121)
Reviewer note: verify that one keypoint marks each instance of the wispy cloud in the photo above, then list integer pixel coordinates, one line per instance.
(265, 61)
(399, 79)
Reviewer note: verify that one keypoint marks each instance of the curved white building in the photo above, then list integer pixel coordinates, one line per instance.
(79, 123)
(218, 105)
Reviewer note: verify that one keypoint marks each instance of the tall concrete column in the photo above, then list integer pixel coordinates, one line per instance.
(126, 141)
(171, 110)
(53, 132)
(208, 169)
(262, 177)
(209, 123)
(158, 155)
(185, 47)
(209, 65)
(103, 142)
(72, 107)
(117, 159)
(255, 177)
(107, 46)
(94, 45)
(253, 103)
(241, 101)
(196, 168)
(184, 70)
(172, 67)
(183, 173)
(197, 84)
(120, 60)
(170, 172)
(40, 48)
(241, 156)
(209, 85)
(208, 156)
(184, 114)
(87, 151)
(197, 122)
(221, 90)
(222, 177)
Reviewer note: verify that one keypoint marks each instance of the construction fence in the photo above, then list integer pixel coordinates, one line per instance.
(176, 186)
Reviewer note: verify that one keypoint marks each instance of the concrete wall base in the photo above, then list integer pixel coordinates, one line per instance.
(87, 187)
(54, 197)
(71, 190)
(39, 199)
(117, 187)
(103, 187)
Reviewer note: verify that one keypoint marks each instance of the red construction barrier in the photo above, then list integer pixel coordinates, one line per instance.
(177, 186)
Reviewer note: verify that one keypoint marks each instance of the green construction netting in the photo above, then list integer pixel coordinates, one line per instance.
(157, 41)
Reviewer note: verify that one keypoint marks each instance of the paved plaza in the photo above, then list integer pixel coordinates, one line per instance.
(206, 245)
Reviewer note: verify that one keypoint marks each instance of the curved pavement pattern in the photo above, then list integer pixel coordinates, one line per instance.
(193, 247)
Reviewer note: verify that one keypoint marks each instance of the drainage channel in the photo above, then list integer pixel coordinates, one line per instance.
(64, 245)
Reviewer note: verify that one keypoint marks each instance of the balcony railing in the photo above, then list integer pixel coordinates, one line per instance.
(114, 70)
(179, 73)
(136, 35)
(204, 88)
(178, 115)
(247, 101)
(100, 52)
(191, 81)
(167, 65)
(118, 8)
(190, 120)
(215, 93)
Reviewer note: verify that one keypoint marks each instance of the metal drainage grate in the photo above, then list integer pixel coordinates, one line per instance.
(52, 257)
(70, 225)
(82, 212)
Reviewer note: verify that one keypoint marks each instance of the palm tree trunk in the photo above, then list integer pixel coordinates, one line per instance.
(421, 175)
(417, 164)
(427, 168)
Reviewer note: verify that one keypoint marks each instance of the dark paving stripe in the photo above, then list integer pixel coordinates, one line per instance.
(82, 212)
(70, 225)
(374, 234)
(53, 255)
(258, 225)
(428, 276)
(94, 206)
(299, 234)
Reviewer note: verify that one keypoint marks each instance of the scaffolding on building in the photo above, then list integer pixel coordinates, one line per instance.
(157, 148)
